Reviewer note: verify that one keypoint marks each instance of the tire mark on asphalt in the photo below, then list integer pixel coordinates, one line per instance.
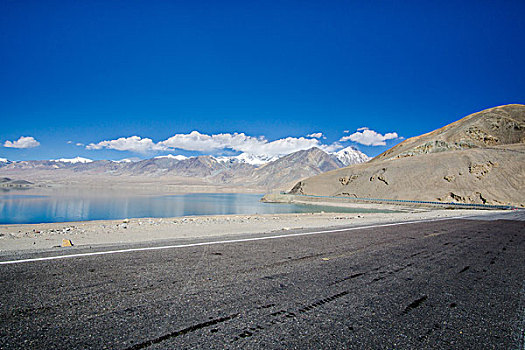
(152, 287)
(415, 304)
(186, 330)
(382, 274)
(281, 316)
(279, 263)
(431, 256)
(355, 275)
(464, 269)
(416, 254)
(323, 301)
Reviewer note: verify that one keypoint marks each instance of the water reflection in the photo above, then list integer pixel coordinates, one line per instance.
(80, 207)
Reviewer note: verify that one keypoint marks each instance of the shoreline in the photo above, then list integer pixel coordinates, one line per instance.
(391, 204)
(38, 237)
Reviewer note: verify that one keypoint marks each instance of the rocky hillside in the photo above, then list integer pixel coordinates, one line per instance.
(286, 170)
(478, 159)
(238, 171)
(492, 127)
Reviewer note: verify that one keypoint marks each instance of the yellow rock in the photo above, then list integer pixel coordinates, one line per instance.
(67, 243)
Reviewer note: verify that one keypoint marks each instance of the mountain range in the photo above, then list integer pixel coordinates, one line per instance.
(244, 170)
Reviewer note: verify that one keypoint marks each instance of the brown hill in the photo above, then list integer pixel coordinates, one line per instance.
(478, 159)
(495, 126)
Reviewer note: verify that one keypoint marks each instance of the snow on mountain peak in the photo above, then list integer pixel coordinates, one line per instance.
(255, 159)
(248, 158)
(350, 155)
(4, 160)
(171, 156)
(73, 160)
(347, 156)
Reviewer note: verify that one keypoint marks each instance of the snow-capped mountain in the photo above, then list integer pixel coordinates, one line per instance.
(73, 160)
(127, 160)
(4, 162)
(253, 159)
(241, 170)
(350, 155)
(171, 156)
(347, 156)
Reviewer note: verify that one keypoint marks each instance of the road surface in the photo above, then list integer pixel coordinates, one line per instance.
(449, 284)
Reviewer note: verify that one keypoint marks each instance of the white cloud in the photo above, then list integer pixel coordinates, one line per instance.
(369, 137)
(69, 142)
(23, 142)
(79, 144)
(331, 148)
(346, 131)
(363, 128)
(195, 141)
(316, 135)
(133, 143)
(281, 146)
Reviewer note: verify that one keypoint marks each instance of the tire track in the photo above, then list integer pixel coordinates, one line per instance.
(282, 316)
(186, 330)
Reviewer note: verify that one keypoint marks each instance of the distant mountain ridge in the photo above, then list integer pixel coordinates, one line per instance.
(243, 170)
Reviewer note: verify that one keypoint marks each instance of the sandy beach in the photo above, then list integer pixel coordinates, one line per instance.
(46, 236)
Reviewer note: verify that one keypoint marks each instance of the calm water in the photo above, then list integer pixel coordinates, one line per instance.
(24, 208)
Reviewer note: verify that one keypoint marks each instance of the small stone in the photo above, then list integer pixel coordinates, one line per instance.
(449, 178)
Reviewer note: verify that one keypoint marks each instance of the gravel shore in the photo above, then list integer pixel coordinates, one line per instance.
(89, 233)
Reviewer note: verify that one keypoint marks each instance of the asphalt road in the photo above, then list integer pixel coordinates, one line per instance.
(452, 284)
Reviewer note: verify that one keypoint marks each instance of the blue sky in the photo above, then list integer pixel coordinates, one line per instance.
(95, 71)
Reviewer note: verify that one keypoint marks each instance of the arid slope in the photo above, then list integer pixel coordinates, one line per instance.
(478, 159)
(501, 125)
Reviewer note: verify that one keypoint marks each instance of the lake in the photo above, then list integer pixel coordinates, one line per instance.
(16, 208)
